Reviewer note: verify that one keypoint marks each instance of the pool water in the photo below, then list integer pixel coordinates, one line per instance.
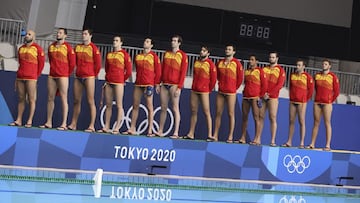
(19, 191)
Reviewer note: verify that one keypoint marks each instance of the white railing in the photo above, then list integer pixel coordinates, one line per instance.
(10, 31)
(349, 82)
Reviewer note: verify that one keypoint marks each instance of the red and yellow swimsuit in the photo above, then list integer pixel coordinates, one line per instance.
(301, 87)
(148, 69)
(31, 62)
(174, 68)
(229, 75)
(88, 60)
(204, 78)
(327, 88)
(255, 83)
(118, 67)
(276, 78)
(62, 60)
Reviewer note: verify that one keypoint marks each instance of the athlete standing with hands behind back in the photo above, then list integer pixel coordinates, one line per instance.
(62, 63)
(230, 76)
(204, 80)
(31, 64)
(327, 89)
(301, 90)
(148, 74)
(88, 64)
(254, 90)
(174, 68)
(275, 75)
(118, 68)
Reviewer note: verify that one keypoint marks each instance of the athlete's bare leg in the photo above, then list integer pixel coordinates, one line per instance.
(63, 86)
(138, 92)
(327, 111)
(60, 84)
(205, 102)
(256, 114)
(150, 108)
(301, 111)
(175, 100)
(31, 90)
(51, 87)
(20, 88)
(245, 114)
(119, 95)
(164, 100)
(292, 118)
(231, 101)
(317, 119)
(78, 91)
(273, 109)
(194, 105)
(220, 101)
(109, 96)
(90, 93)
(262, 113)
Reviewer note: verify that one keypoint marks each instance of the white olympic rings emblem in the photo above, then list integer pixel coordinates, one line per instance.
(292, 199)
(143, 124)
(296, 163)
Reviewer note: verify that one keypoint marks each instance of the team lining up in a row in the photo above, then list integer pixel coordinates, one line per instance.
(261, 90)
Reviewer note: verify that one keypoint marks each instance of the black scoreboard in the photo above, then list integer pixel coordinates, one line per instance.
(255, 29)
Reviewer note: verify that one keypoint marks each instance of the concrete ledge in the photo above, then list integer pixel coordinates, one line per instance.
(101, 75)
(7, 50)
(10, 64)
(46, 69)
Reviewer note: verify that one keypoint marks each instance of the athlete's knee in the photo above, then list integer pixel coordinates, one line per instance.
(136, 106)
(256, 120)
(63, 95)
(261, 116)
(21, 98)
(120, 110)
(231, 114)
(151, 111)
(316, 122)
(219, 111)
(301, 122)
(108, 105)
(207, 114)
(246, 118)
(91, 101)
(218, 114)
(32, 100)
(272, 118)
(245, 114)
(175, 107)
(164, 108)
(194, 110)
(327, 123)
(51, 98)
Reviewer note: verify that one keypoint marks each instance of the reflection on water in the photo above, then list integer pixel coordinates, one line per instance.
(141, 193)
(16, 191)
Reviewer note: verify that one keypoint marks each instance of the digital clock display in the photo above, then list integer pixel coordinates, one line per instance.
(254, 28)
(255, 31)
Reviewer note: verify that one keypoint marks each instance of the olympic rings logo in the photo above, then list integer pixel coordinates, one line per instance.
(296, 164)
(143, 126)
(292, 199)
